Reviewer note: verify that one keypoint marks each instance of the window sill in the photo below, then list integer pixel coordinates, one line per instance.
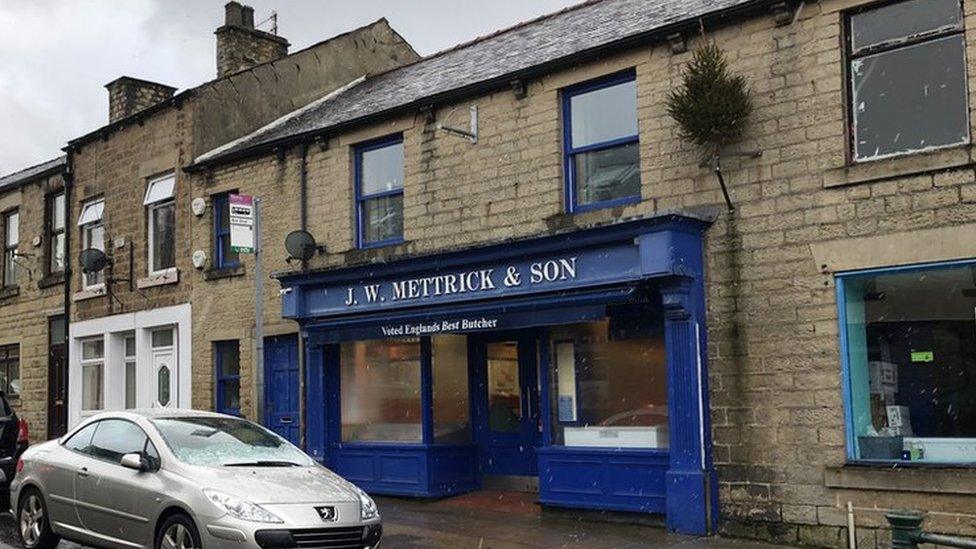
(9, 292)
(171, 276)
(924, 478)
(224, 272)
(53, 279)
(900, 166)
(90, 293)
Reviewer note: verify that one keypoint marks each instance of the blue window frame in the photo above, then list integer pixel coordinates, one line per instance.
(224, 257)
(600, 143)
(908, 355)
(378, 174)
(227, 371)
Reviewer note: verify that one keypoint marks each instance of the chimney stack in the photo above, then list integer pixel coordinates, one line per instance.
(127, 96)
(240, 46)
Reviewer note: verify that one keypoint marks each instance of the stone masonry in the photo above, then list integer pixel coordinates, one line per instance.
(802, 211)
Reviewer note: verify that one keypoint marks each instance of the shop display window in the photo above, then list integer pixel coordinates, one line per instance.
(452, 408)
(380, 390)
(908, 340)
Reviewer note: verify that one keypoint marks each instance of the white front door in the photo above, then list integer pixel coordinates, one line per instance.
(164, 368)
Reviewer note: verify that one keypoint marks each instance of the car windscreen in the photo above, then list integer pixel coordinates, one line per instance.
(216, 441)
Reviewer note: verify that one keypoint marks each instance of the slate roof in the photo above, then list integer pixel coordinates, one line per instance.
(567, 34)
(27, 175)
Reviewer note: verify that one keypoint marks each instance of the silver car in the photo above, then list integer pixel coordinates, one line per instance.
(180, 479)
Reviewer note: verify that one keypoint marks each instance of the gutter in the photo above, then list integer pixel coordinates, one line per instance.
(686, 26)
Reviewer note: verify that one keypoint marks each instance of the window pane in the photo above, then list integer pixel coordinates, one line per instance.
(10, 268)
(114, 439)
(164, 237)
(910, 99)
(604, 114)
(12, 229)
(616, 395)
(382, 218)
(231, 396)
(607, 174)
(81, 441)
(911, 353)
(58, 330)
(228, 256)
(91, 212)
(92, 349)
(229, 355)
(382, 169)
(162, 338)
(903, 20)
(380, 390)
(57, 253)
(162, 385)
(91, 386)
(95, 238)
(11, 383)
(504, 388)
(449, 365)
(160, 189)
(130, 385)
(57, 212)
(130, 346)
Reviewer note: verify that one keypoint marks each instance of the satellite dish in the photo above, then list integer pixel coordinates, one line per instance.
(92, 260)
(300, 245)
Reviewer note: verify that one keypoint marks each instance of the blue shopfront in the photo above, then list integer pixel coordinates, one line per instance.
(576, 360)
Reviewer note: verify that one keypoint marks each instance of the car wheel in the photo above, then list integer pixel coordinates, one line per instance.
(32, 522)
(178, 532)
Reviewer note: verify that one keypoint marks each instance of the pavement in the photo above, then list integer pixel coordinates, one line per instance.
(498, 520)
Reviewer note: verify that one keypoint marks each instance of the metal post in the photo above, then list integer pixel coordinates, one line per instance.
(905, 528)
(258, 315)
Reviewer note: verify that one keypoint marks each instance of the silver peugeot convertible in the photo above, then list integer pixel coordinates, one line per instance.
(180, 479)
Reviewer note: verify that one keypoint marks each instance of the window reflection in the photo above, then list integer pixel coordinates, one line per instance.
(380, 390)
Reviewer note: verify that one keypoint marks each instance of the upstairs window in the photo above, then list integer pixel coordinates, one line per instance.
(161, 218)
(92, 236)
(907, 67)
(379, 192)
(55, 233)
(11, 240)
(602, 155)
(224, 256)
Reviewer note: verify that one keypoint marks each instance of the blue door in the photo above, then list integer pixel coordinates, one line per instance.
(508, 406)
(281, 386)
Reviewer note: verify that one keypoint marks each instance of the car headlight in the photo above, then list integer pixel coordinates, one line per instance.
(239, 508)
(367, 506)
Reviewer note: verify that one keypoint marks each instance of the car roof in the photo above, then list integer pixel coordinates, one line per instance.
(160, 413)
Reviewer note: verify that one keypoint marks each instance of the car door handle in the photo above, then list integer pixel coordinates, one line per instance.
(83, 472)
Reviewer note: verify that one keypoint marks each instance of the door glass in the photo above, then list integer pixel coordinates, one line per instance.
(162, 338)
(504, 390)
(162, 385)
(116, 438)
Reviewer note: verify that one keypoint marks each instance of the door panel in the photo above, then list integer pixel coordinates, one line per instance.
(164, 378)
(509, 430)
(281, 386)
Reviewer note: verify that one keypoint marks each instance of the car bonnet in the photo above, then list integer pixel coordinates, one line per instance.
(276, 484)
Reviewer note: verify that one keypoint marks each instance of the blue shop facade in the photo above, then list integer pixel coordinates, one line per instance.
(576, 361)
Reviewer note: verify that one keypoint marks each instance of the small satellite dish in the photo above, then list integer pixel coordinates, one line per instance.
(300, 245)
(93, 260)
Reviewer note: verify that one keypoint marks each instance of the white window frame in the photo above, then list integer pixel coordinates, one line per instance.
(91, 218)
(160, 193)
(91, 362)
(129, 360)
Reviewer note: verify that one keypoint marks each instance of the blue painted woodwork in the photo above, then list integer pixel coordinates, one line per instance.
(653, 258)
(226, 353)
(281, 386)
(224, 257)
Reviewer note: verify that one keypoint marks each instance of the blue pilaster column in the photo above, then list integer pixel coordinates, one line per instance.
(692, 486)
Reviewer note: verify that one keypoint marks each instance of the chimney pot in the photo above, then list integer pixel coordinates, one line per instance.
(234, 14)
(247, 13)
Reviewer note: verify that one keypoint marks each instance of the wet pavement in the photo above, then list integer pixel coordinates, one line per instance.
(497, 520)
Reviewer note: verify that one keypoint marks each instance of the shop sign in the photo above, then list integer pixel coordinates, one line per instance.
(241, 223)
(439, 326)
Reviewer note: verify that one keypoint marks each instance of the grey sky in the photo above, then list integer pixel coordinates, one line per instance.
(56, 55)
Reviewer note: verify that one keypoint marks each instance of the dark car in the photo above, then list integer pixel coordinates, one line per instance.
(14, 439)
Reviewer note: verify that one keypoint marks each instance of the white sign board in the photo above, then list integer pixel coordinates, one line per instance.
(241, 223)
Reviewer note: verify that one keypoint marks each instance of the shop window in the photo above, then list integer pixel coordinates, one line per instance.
(10, 370)
(161, 218)
(55, 233)
(379, 191)
(92, 368)
(909, 347)
(380, 391)
(908, 89)
(449, 367)
(92, 236)
(601, 143)
(130, 371)
(609, 385)
(505, 411)
(227, 366)
(224, 256)
(11, 240)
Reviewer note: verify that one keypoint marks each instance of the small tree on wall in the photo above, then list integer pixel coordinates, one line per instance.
(711, 106)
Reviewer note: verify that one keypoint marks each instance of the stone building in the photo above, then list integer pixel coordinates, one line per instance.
(32, 321)
(131, 333)
(522, 275)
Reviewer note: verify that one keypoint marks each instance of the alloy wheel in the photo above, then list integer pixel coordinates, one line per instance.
(31, 520)
(177, 536)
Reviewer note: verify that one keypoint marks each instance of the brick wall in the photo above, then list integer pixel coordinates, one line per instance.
(778, 420)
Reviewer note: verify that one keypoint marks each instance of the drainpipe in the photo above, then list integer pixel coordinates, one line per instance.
(68, 175)
(303, 220)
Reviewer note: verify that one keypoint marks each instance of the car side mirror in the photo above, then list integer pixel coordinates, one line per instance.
(134, 461)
